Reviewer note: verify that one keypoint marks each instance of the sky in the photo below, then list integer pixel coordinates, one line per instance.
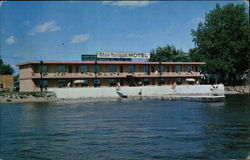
(64, 30)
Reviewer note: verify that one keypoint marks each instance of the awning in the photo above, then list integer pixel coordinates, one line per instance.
(79, 81)
(190, 80)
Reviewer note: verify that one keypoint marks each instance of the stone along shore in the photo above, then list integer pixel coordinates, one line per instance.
(16, 97)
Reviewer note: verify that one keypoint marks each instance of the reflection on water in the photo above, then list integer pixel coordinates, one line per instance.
(124, 129)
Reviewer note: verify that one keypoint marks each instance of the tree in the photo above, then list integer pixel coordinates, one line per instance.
(222, 40)
(5, 69)
(16, 77)
(168, 53)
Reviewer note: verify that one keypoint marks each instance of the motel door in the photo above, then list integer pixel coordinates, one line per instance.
(70, 69)
(121, 68)
(152, 69)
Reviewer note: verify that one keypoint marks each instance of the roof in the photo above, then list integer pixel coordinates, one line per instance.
(101, 62)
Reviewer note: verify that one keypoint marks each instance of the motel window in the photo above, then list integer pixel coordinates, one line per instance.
(145, 69)
(178, 68)
(131, 68)
(167, 69)
(161, 81)
(111, 68)
(146, 81)
(85, 82)
(190, 68)
(98, 68)
(97, 82)
(172, 69)
(44, 68)
(197, 69)
(1, 85)
(84, 68)
(61, 83)
(61, 68)
(43, 83)
(112, 82)
(161, 68)
(178, 80)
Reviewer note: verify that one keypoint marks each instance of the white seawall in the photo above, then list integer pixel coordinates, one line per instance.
(147, 91)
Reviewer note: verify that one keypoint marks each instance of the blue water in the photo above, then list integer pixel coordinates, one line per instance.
(126, 129)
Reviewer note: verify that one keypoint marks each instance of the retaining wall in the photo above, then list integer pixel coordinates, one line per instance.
(105, 92)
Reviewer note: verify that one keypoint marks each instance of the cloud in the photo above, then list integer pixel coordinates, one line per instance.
(80, 38)
(138, 36)
(15, 56)
(26, 23)
(128, 3)
(169, 29)
(46, 27)
(2, 31)
(10, 40)
(197, 20)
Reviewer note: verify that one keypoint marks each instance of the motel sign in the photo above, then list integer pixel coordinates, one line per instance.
(122, 55)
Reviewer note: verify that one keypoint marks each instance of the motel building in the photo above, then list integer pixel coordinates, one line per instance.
(106, 69)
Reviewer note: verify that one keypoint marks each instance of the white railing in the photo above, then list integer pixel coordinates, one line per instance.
(108, 74)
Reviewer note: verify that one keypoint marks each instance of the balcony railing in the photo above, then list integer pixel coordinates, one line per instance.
(110, 74)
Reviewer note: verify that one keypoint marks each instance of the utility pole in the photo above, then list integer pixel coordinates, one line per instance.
(41, 78)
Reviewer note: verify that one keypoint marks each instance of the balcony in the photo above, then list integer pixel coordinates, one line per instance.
(180, 74)
(59, 75)
(111, 74)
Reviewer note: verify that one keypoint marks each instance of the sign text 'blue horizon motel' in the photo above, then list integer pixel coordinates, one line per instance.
(122, 55)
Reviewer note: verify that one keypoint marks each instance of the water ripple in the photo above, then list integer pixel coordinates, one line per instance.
(149, 129)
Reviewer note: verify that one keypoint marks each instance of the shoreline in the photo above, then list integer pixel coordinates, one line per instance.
(163, 98)
(29, 97)
(237, 89)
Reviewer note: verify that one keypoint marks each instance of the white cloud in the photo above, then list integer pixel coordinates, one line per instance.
(15, 56)
(106, 2)
(80, 38)
(1, 31)
(46, 27)
(197, 20)
(139, 36)
(26, 23)
(10, 40)
(169, 29)
(128, 3)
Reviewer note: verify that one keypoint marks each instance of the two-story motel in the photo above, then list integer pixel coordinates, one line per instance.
(38, 75)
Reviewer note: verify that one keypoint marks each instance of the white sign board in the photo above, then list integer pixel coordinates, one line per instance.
(122, 55)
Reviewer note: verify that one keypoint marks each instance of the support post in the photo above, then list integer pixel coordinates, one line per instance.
(95, 74)
(41, 78)
(160, 73)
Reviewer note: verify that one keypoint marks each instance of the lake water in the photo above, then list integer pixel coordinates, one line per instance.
(126, 129)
